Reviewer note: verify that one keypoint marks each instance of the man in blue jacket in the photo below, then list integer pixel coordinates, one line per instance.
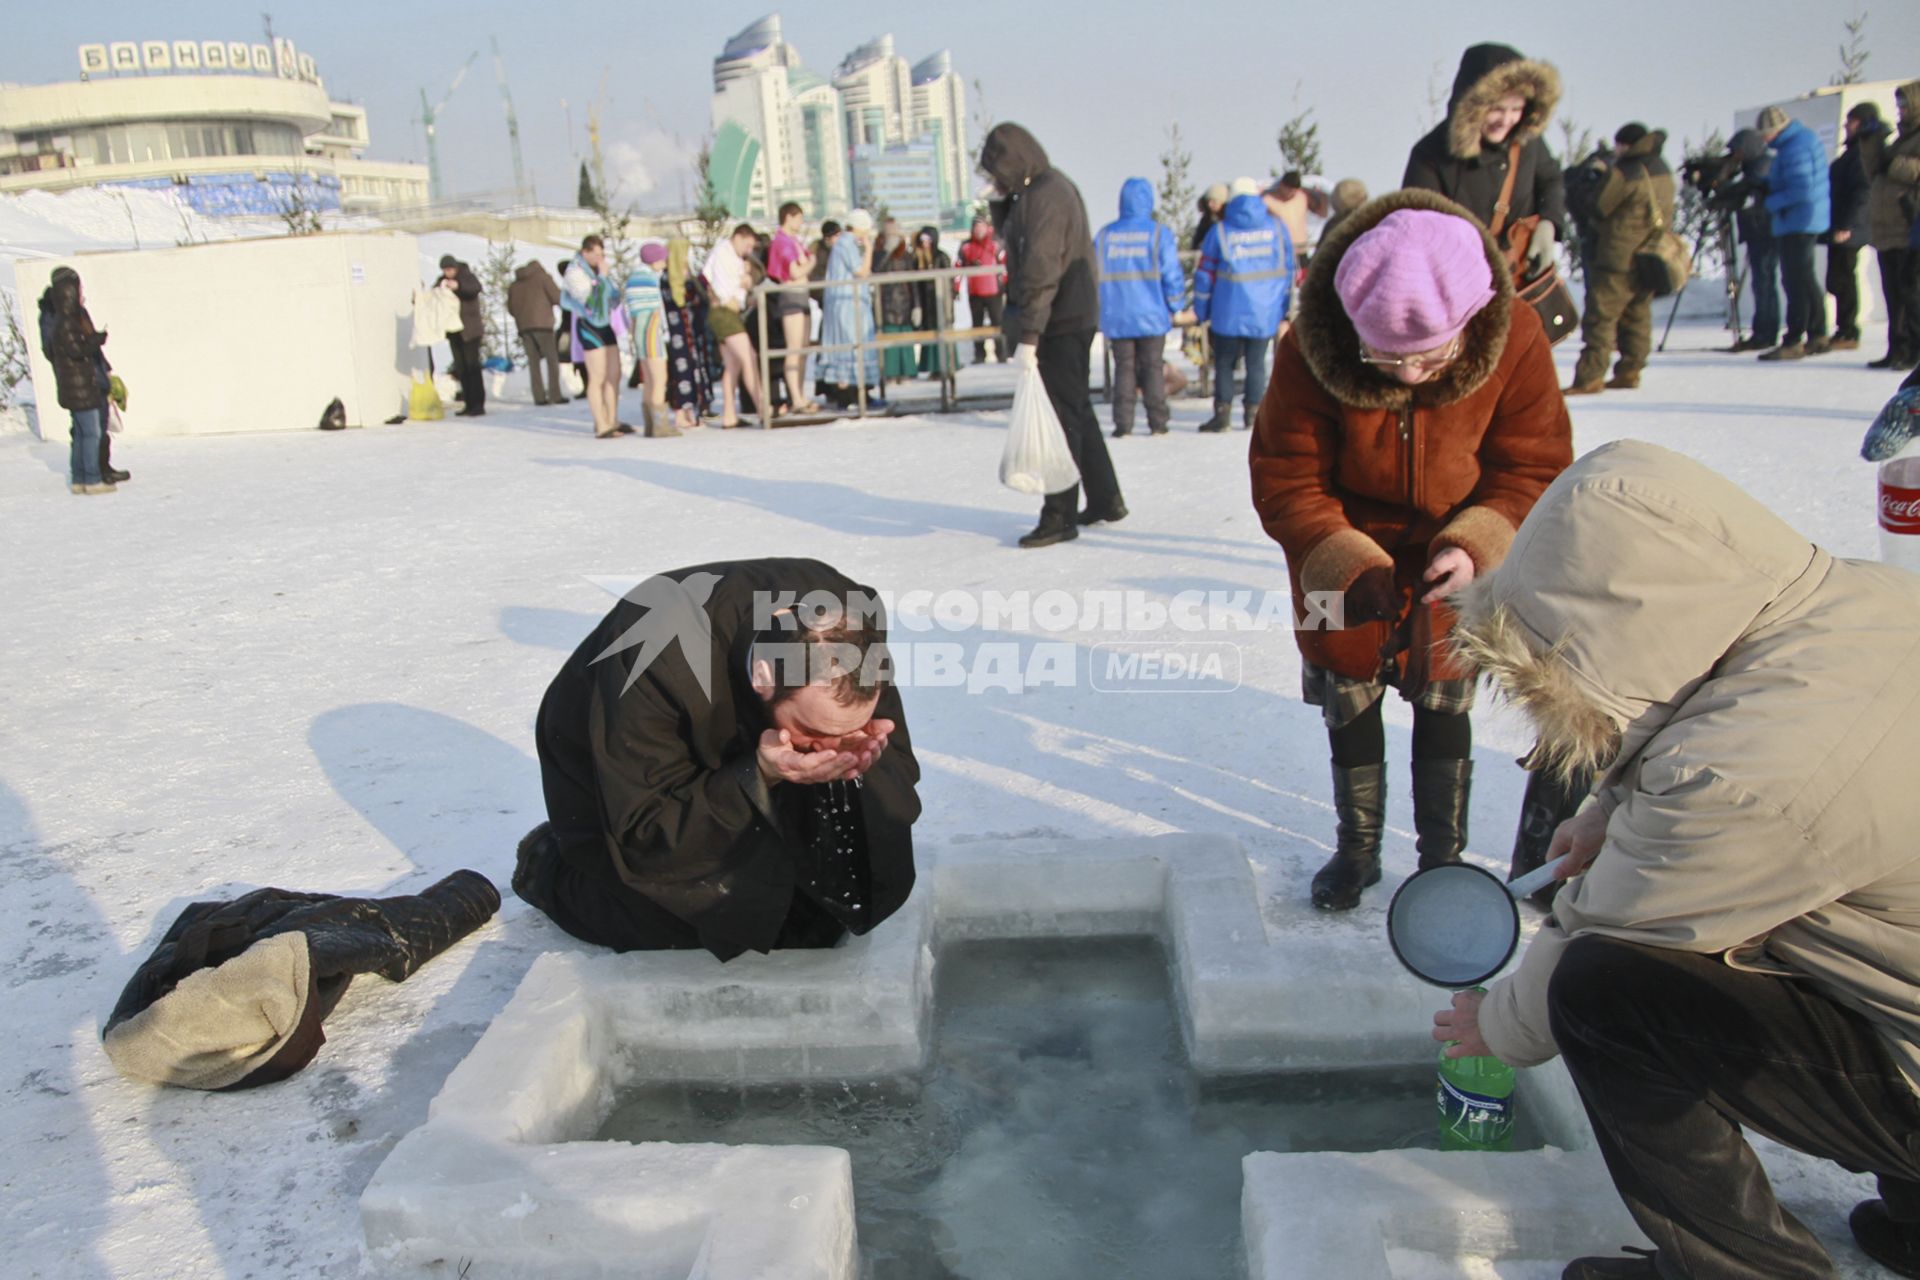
(1797, 198)
(1141, 288)
(1240, 292)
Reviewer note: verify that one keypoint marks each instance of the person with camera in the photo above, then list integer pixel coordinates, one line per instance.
(1737, 185)
(1636, 194)
(1797, 200)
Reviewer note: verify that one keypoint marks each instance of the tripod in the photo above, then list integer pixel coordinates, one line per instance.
(1736, 278)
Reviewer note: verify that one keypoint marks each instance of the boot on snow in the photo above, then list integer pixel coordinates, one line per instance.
(1360, 803)
(1440, 792)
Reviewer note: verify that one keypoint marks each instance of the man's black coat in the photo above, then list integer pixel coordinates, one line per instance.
(655, 787)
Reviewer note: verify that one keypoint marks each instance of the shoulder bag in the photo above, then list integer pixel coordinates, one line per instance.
(1546, 292)
(1662, 263)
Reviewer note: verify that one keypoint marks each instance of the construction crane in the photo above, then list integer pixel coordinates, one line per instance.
(521, 190)
(593, 136)
(428, 116)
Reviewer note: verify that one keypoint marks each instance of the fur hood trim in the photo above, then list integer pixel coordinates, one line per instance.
(1331, 348)
(1537, 82)
(1575, 734)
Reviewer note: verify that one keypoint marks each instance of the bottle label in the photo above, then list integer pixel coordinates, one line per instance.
(1474, 1118)
(1899, 509)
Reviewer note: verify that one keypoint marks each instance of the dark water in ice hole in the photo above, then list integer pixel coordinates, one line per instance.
(1058, 1132)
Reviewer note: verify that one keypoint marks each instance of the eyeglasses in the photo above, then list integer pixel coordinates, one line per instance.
(1424, 363)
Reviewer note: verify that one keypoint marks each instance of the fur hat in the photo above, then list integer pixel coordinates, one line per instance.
(860, 221)
(1412, 281)
(1217, 193)
(1244, 187)
(1771, 120)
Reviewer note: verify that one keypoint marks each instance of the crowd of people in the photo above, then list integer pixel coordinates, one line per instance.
(1733, 945)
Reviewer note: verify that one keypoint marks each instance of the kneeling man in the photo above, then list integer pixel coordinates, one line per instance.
(726, 766)
(1742, 951)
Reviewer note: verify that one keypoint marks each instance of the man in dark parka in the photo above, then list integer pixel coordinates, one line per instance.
(1052, 310)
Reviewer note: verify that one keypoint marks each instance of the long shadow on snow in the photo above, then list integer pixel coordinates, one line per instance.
(855, 512)
(58, 993)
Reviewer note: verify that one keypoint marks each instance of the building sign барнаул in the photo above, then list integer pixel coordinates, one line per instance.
(140, 56)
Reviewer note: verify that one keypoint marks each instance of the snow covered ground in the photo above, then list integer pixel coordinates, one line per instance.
(313, 661)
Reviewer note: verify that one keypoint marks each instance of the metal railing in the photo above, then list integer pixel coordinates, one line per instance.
(943, 334)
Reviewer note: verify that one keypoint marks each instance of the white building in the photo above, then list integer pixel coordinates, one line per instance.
(233, 127)
(783, 133)
(876, 93)
(940, 109)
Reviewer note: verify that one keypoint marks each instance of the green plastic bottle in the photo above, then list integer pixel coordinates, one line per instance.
(1476, 1103)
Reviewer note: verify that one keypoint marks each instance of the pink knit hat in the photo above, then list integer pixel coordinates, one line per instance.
(1414, 280)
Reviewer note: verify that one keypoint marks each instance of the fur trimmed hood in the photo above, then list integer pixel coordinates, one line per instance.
(1331, 348)
(1635, 575)
(1488, 73)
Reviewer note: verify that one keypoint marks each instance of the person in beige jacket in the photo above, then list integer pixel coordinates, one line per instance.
(1742, 949)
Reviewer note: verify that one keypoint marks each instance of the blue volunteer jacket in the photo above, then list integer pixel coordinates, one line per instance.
(1797, 195)
(1141, 284)
(1245, 276)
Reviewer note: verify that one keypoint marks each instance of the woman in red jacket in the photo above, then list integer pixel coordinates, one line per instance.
(1412, 420)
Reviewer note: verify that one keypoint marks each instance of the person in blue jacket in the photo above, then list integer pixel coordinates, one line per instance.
(1240, 292)
(1798, 200)
(1141, 289)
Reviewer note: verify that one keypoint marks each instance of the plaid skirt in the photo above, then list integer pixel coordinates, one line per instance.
(1343, 699)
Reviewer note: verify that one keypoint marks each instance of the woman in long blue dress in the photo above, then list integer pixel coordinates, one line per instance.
(848, 312)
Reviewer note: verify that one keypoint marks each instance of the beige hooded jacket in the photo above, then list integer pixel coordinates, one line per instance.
(1759, 701)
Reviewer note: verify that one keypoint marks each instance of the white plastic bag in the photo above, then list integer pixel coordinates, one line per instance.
(570, 381)
(1036, 459)
(496, 384)
(447, 385)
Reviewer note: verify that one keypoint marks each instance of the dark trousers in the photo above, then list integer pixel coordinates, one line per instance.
(1900, 281)
(607, 912)
(1675, 1053)
(986, 314)
(543, 356)
(1806, 301)
(1139, 369)
(1066, 361)
(1763, 270)
(1229, 351)
(1843, 282)
(466, 367)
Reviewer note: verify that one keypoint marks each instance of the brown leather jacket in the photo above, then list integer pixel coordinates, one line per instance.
(1352, 469)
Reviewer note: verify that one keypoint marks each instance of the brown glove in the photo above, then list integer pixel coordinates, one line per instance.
(1373, 597)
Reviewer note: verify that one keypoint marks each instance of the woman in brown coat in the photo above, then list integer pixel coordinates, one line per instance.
(1413, 418)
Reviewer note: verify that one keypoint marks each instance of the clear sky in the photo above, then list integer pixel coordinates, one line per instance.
(1097, 83)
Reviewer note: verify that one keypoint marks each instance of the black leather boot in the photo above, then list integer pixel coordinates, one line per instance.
(108, 472)
(1440, 790)
(1360, 801)
(1894, 1245)
(1550, 801)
